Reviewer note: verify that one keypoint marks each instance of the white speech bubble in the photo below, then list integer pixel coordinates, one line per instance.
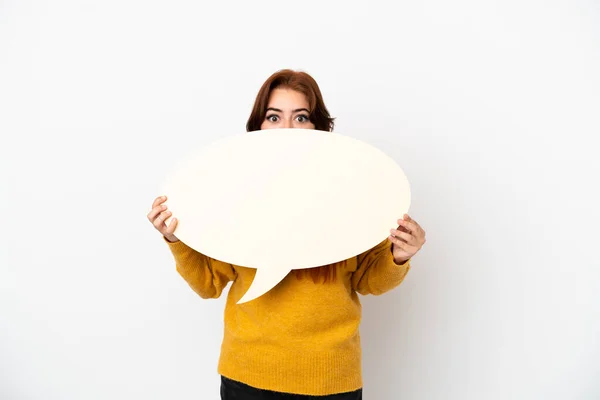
(284, 199)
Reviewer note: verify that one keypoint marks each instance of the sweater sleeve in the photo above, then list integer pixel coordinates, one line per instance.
(376, 271)
(206, 276)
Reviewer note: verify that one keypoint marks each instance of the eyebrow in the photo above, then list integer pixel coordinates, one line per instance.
(295, 111)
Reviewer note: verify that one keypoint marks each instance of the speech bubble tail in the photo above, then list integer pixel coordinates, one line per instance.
(264, 280)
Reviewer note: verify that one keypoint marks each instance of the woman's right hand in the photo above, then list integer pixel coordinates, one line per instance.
(157, 217)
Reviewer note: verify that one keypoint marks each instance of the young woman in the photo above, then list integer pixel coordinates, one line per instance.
(301, 339)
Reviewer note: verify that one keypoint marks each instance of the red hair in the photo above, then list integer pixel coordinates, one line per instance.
(324, 274)
(300, 82)
(319, 116)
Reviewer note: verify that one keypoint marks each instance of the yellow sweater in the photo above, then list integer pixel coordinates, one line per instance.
(300, 337)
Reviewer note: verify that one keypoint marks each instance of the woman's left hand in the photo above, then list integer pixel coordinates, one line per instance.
(407, 239)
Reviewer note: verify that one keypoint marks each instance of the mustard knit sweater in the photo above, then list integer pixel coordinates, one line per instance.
(300, 337)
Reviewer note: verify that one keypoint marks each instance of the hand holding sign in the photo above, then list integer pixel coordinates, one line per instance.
(158, 215)
(284, 199)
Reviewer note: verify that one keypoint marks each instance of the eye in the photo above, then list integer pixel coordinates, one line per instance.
(302, 118)
(272, 118)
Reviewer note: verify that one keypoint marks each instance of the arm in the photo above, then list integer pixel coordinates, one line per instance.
(206, 276)
(376, 272)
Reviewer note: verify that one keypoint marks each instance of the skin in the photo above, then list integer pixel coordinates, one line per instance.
(407, 239)
(289, 109)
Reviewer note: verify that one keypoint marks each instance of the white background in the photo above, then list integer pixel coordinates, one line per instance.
(490, 107)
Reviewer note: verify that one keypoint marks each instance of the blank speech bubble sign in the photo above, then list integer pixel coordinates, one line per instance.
(284, 199)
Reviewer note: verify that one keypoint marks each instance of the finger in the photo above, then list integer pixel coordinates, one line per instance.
(404, 225)
(395, 242)
(405, 237)
(165, 216)
(402, 229)
(418, 227)
(411, 225)
(171, 228)
(405, 247)
(159, 200)
(159, 222)
(155, 211)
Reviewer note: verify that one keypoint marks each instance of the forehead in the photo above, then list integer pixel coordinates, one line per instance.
(287, 98)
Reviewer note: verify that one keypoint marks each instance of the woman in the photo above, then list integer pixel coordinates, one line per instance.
(301, 338)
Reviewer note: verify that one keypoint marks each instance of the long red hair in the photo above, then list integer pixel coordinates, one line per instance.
(319, 116)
